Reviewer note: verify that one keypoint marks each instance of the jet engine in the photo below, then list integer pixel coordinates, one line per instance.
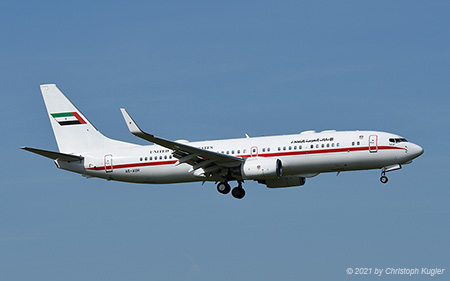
(261, 168)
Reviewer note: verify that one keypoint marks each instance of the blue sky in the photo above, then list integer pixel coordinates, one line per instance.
(205, 70)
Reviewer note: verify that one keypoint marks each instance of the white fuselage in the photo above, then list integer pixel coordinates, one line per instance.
(306, 154)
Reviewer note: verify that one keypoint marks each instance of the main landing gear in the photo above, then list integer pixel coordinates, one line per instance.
(223, 187)
(238, 192)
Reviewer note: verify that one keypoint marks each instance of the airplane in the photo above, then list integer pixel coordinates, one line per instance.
(275, 161)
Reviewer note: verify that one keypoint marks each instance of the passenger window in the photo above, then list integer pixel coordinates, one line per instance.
(323, 145)
(332, 145)
(353, 143)
(357, 143)
(238, 151)
(268, 149)
(295, 147)
(279, 148)
(337, 144)
(140, 159)
(145, 158)
(317, 146)
(284, 147)
(232, 152)
(264, 150)
(328, 145)
(312, 146)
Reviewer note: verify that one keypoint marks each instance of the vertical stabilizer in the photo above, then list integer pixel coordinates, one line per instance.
(73, 131)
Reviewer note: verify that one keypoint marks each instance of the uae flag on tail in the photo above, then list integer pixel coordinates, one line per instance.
(68, 118)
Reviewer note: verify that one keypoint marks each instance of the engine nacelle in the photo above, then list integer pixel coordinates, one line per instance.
(261, 168)
(287, 181)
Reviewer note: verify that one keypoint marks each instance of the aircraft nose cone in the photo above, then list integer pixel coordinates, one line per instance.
(416, 150)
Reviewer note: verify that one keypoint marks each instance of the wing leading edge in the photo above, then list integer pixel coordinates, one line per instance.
(209, 162)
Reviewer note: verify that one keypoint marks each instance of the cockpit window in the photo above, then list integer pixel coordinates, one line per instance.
(397, 140)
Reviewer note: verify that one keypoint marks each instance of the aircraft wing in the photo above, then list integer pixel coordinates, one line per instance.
(209, 161)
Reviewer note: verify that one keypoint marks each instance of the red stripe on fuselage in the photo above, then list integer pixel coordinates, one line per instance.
(135, 165)
(322, 151)
(278, 154)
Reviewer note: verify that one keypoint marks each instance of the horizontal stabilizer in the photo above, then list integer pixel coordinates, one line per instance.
(54, 155)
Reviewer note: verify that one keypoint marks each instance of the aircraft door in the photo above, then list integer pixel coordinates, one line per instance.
(373, 143)
(108, 163)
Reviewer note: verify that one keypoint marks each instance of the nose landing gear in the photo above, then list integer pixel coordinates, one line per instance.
(383, 178)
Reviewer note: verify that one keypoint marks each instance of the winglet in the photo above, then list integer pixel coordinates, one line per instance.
(132, 126)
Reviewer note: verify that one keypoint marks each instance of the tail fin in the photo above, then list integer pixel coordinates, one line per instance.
(73, 132)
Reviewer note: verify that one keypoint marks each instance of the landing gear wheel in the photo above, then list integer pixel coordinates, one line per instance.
(384, 179)
(223, 187)
(238, 192)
